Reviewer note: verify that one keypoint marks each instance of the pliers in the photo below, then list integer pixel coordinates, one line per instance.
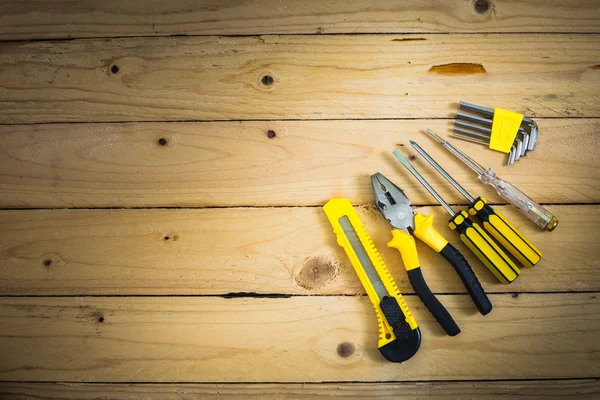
(396, 208)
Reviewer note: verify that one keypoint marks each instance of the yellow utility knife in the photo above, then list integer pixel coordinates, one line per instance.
(399, 334)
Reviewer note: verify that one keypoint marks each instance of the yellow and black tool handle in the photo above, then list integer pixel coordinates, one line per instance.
(405, 243)
(399, 334)
(425, 231)
(488, 252)
(407, 340)
(505, 233)
(434, 306)
(468, 278)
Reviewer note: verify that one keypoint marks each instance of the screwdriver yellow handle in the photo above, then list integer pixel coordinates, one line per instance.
(506, 233)
(488, 252)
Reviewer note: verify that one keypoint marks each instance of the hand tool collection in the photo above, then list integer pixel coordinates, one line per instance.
(399, 333)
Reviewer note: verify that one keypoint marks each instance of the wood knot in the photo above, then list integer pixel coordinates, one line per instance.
(114, 69)
(98, 316)
(267, 80)
(481, 6)
(271, 134)
(317, 271)
(162, 141)
(515, 295)
(51, 261)
(345, 349)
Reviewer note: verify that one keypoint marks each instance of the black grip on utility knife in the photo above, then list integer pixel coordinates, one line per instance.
(432, 303)
(468, 277)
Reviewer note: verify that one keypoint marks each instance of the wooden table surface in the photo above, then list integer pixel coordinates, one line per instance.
(163, 167)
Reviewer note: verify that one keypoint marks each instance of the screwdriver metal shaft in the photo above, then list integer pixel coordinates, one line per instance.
(534, 211)
(459, 154)
(493, 221)
(471, 234)
(400, 157)
(441, 171)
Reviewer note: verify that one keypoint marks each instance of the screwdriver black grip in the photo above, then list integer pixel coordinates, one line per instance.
(484, 248)
(434, 306)
(468, 278)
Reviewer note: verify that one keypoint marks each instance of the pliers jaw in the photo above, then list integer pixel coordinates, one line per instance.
(393, 203)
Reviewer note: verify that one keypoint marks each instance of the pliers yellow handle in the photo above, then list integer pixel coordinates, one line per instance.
(425, 231)
(405, 243)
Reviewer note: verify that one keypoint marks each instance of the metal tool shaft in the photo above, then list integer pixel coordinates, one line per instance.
(441, 170)
(469, 139)
(459, 154)
(422, 180)
(488, 131)
(480, 136)
(473, 127)
(474, 118)
(489, 112)
(514, 153)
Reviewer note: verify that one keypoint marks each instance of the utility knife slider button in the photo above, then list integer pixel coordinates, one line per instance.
(396, 318)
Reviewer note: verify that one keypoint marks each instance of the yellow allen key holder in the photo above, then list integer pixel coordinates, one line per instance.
(505, 125)
(471, 234)
(399, 334)
(493, 221)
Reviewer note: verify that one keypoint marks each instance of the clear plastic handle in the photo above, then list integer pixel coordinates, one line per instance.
(535, 212)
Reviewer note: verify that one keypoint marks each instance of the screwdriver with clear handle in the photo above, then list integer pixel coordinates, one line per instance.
(471, 234)
(493, 221)
(532, 210)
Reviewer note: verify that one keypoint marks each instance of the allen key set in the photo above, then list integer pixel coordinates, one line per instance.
(499, 129)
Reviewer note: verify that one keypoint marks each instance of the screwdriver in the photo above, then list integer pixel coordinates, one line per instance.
(471, 234)
(535, 212)
(493, 222)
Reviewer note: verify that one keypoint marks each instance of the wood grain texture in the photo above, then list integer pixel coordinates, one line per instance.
(204, 339)
(305, 77)
(281, 250)
(34, 19)
(582, 389)
(305, 163)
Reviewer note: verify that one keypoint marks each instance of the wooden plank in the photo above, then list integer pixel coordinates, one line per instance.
(297, 77)
(65, 19)
(583, 389)
(237, 164)
(207, 339)
(263, 250)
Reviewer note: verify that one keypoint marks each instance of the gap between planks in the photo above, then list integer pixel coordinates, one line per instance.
(582, 389)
